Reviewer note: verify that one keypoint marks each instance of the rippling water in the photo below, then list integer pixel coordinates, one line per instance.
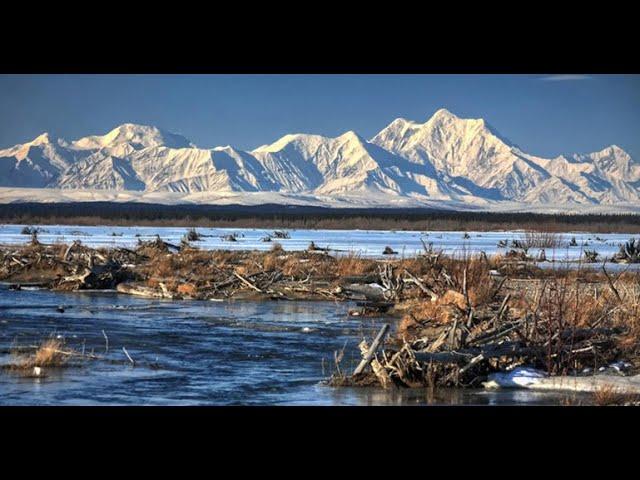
(202, 353)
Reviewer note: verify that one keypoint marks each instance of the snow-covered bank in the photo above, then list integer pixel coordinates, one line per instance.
(367, 243)
(531, 379)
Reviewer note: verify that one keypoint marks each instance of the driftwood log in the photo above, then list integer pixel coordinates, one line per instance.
(143, 291)
(370, 353)
(378, 369)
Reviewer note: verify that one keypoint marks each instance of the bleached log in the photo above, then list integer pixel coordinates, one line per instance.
(474, 361)
(378, 369)
(247, 282)
(421, 285)
(372, 350)
(80, 277)
(141, 291)
(372, 291)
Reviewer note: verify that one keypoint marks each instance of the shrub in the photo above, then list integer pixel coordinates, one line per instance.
(540, 239)
(192, 235)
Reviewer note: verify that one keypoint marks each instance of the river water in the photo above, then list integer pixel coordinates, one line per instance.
(201, 353)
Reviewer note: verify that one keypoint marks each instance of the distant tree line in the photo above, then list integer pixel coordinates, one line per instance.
(279, 216)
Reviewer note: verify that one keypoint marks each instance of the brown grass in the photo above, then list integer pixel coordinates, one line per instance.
(610, 396)
(48, 354)
(271, 261)
(187, 289)
(475, 269)
(164, 265)
(352, 264)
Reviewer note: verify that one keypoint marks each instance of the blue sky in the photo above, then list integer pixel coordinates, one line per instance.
(544, 115)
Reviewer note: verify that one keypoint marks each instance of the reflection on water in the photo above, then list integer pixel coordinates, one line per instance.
(201, 353)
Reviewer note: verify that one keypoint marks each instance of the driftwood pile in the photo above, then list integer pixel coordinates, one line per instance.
(281, 234)
(591, 256)
(192, 235)
(498, 335)
(62, 267)
(463, 357)
(194, 274)
(259, 282)
(153, 248)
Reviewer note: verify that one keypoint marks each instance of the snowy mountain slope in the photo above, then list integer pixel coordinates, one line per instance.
(608, 176)
(447, 160)
(468, 150)
(345, 164)
(34, 164)
(100, 171)
(197, 170)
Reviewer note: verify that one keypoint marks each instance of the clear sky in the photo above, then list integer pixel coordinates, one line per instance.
(544, 115)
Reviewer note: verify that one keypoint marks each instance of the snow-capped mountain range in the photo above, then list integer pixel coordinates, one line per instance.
(445, 161)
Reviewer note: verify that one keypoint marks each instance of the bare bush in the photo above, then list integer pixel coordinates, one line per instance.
(541, 239)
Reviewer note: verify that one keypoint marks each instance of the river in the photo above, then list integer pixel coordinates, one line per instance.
(201, 353)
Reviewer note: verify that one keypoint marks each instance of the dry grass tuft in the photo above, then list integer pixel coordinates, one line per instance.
(610, 396)
(407, 326)
(352, 264)
(271, 261)
(49, 354)
(188, 289)
(163, 265)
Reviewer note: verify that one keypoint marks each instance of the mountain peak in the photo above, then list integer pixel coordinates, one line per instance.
(401, 122)
(443, 113)
(444, 116)
(136, 135)
(350, 135)
(132, 133)
(41, 139)
(132, 127)
(616, 150)
(283, 142)
(610, 151)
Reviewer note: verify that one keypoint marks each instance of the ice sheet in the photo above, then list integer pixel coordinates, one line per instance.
(367, 243)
